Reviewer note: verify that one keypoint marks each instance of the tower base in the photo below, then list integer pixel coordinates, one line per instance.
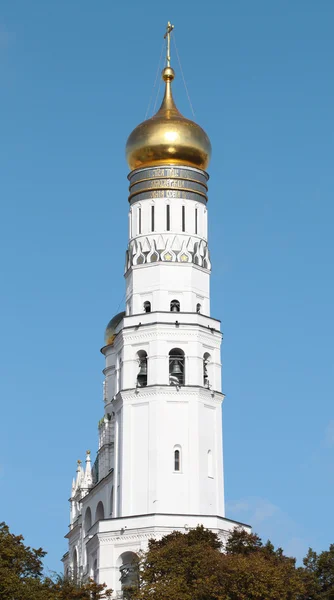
(113, 545)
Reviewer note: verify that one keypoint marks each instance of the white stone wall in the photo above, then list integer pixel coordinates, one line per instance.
(140, 493)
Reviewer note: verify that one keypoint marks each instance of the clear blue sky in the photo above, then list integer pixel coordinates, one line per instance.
(75, 78)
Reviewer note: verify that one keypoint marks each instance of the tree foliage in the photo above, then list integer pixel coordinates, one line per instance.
(319, 574)
(193, 566)
(22, 578)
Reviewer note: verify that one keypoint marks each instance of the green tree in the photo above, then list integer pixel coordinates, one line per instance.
(319, 574)
(22, 578)
(192, 567)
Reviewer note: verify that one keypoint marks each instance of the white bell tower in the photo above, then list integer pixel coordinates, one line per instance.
(159, 465)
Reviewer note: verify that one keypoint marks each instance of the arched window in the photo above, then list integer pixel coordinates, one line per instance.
(147, 306)
(198, 308)
(128, 566)
(142, 373)
(99, 514)
(175, 306)
(88, 520)
(206, 362)
(176, 367)
(75, 565)
(210, 464)
(95, 571)
(112, 501)
(177, 459)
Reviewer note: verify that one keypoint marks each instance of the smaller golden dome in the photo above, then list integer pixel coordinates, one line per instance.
(168, 137)
(110, 332)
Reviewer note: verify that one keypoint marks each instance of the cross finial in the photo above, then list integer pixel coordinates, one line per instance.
(169, 30)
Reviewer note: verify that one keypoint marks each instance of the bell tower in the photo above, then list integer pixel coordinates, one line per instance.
(159, 465)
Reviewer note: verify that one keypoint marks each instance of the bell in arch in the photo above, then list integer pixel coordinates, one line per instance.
(176, 368)
(142, 375)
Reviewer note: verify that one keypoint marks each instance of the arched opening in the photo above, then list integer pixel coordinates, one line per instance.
(147, 306)
(206, 362)
(142, 373)
(75, 565)
(210, 464)
(112, 501)
(175, 306)
(88, 520)
(99, 513)
(198, 308)
(95, 571)
(176, 367)
(177, 459)
(129, 574)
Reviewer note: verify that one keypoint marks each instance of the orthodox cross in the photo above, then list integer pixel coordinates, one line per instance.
(169, 30)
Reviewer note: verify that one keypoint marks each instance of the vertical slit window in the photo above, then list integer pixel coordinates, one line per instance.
(183, 218)
(152, 218)
(177, 460)
(196, 213)
(139, 220)
(167, 217)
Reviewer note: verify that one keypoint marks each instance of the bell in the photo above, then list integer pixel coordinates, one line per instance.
(174, 308)
(176, 368)
(142, 374)
(143, 369)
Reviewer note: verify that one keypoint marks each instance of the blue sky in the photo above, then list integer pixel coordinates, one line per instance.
(75, 78)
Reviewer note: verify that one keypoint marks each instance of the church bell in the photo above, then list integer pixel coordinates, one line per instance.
(176, 368)
(142, 374)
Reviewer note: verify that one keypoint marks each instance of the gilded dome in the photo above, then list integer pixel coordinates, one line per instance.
(110, 332)
(168, 137)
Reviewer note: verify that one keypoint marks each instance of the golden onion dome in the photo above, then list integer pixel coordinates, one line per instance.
(110, 332)
(168, 137)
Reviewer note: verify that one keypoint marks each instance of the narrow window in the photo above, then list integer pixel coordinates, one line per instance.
(130, 224)
(175, 306)
(152, 218)
(139, 220)
(183, 218)
(196, 213)
(198, 308)
(177, 460)
(147, 307)
(75, 565)
(95, 570)
(112, 500)
(210, 464)
(167, 217)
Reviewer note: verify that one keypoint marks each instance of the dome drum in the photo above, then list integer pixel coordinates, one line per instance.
(184, 182)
